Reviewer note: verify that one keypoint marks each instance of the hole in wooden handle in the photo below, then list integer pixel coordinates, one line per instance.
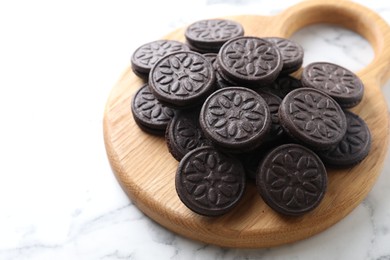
(349, 15)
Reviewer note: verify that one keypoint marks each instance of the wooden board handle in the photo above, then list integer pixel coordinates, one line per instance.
(349, 15)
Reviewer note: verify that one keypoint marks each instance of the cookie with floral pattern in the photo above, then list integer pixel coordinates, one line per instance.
(292, 180)
(145, 56)
(250, 60)
(353, 148)
(184, 134)
(338, 82)
(182, 79)
(210, 182)
(291, 52)
(149, 114)
(210, 34)
(236, 119)
(313, 118)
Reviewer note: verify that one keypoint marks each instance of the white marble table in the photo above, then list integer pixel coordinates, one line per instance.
(58, 196)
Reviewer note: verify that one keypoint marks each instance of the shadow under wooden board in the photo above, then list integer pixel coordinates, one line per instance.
(146, 170)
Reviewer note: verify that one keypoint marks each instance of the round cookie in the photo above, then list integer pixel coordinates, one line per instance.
(221, 81)
(353, 148)
(291, 52)
(184, 134)
(282, 86)
(251, 160)
(338, 82)
(313, 118)
(209, 35)
(250, 60)
(273, 103)
(182, 79)
(149, 114)
(148, 54)
(236, 119)
(209, 182)
(211, 57)
(292, 180)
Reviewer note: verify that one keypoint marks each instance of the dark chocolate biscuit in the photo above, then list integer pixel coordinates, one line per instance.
(282, 86)
(203, 50)
(353, 148)
(222, 81)
(211, 57)
(340, 83)
(182, 79)
(149, 114)
(313, 118)
(251, 160)
(184, 133)
(148, 54)
(250, 60)
(291, 52)
(211, 34)
(273, 103)
(292, 179)
(210, 182)
(235, 118)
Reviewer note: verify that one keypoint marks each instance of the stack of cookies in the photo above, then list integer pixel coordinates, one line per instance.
(231, 112)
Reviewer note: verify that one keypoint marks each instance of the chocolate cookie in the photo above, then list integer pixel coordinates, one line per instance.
(209, 182)
(313, 118)
(353, 148)
(184, 133)
(211, 57)
(251, 160)
(292, 180)
(236, 119)
(149, 114)
(338, 82)
(282, 86)
(273, 103)
(250, 60)
(182, 79)
(148, 54)
(291, 52)
(210, 35)
(220, 80)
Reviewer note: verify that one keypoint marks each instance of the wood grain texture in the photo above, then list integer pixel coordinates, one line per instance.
(146, 170)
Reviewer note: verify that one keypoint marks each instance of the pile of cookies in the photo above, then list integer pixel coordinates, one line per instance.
(231, 112)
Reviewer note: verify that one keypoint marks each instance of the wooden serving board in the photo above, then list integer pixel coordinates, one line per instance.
(146, 170)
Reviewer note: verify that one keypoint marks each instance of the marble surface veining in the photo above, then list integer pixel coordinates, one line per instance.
(58, 196)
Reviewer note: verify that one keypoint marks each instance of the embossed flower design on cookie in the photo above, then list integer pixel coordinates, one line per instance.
(250, 60)
(182, 78)
(290, 50)
(251, 57)
(149, 54)
(190, 135)
(335, 79)
(181, 74)
(234, 116)
(291, 179)
(341, 84)
(209, 182)
(353, 148)
(316, 115)
(213, 30)
(295, 182)
(150, 108)
(312, 117)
